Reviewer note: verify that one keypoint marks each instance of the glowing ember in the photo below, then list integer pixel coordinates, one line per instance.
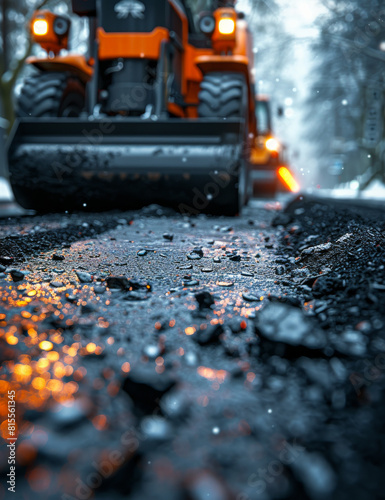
(46, 345)
(126, 367)
(91, 348)
(12, 340)
(211, 374)
(53, 356)
(38, 383)
(190, 330)
(22, 372)
(39, 479)
(100, 422)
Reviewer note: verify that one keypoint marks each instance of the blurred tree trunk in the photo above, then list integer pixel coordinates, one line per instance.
(10, 66)
(4, 30)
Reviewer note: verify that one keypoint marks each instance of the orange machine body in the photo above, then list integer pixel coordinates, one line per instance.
(229, 52)
(270, 171)
(49, 40)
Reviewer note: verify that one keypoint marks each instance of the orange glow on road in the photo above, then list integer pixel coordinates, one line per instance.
(46, 345)
(211, 374)
(287, 178)
(126, 367)
(190, 330)
(91, 348)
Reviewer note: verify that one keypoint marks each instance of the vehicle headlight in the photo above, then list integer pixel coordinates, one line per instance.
(272, 145)
(226, 26)
(40, 27)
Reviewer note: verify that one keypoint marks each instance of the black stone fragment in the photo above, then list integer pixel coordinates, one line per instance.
(17, 275)
(5, 260)
(146, 387)
(291, 300)
(190, 282)
(282, 219)
(84, 277)
(58, 257)
(250, 297)
(187, 267)
(286, 331)
(198, 251)
(57, 284)
(122, 283)
(193, 256)
(118, 282)
(236, 325)
(210, 335)
(325, 286)
(205, 300)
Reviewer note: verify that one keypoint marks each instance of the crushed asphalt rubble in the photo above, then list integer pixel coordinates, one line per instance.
(156, 356)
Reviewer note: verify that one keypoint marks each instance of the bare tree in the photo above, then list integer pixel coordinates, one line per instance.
(15, 47)
(346, 108)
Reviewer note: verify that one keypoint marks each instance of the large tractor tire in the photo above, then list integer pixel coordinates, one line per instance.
(51, 95)
(45, 95)
(224, 95)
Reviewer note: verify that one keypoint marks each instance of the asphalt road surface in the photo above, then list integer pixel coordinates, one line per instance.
(155, 356)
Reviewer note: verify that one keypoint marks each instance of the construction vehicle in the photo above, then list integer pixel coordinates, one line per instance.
(269, 171)
(160, 110)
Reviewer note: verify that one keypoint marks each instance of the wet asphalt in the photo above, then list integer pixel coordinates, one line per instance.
(159, 356)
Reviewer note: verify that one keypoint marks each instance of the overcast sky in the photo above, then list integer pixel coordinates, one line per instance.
(297, 16)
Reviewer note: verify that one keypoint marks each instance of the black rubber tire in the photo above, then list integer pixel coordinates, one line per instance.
(265, 189)
(51, 95)
(222, 95)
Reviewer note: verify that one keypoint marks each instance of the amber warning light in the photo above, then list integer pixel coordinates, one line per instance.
(272, 145)
(287, 178)
(226, 26)
(40, 27)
